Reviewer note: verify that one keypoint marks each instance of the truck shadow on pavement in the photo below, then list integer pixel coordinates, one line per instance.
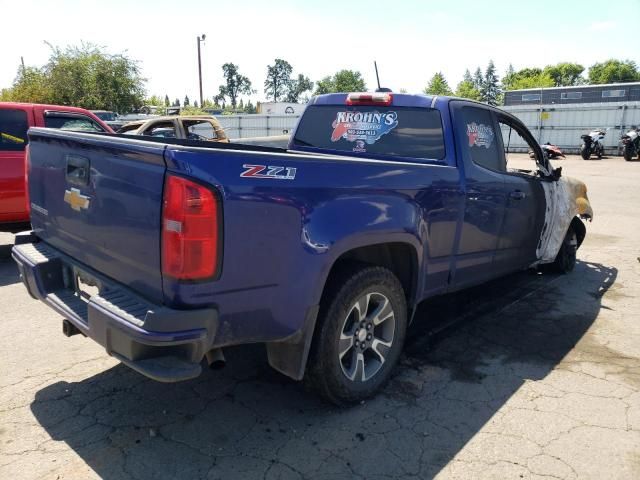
(247, 421)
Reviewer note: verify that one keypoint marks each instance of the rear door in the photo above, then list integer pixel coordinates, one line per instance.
(98, 199)
(485, 199)
(14, 124)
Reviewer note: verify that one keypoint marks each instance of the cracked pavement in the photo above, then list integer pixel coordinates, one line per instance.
(538, 378)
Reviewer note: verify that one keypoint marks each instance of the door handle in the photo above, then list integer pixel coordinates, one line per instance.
(517, 195)
(77, 170)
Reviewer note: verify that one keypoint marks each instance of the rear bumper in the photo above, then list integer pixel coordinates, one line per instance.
(161, 343)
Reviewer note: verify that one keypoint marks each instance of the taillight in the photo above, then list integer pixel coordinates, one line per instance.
(190, 230)
(377, 98)
(26, 180)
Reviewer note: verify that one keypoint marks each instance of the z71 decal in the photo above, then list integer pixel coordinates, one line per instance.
(263, 171)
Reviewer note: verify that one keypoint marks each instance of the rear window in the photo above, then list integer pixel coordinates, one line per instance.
(13, 130)
(399, 131)
(78, 123)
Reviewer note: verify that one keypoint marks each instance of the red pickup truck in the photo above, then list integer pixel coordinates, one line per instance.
(15, 120)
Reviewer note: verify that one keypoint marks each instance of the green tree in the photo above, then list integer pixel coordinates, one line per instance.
(508, 78)
(235, 84)
(438, 85)
(349, 81)
(249, 107)
(176, 103)
(478, 79)
(540, 80)
(297, 87)
(278, 79)
(467, 88)
(167, 102)
(490, 90)
(325, 85)
(186, 101)
(84, 76)
(343, 81)
(195, 104)
(565, 74)
(31, 85)
(154, 100)
(614, 71)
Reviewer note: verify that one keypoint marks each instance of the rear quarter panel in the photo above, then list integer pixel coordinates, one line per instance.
(281, 237)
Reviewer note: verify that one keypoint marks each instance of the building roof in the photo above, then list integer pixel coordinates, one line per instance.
(537, 89)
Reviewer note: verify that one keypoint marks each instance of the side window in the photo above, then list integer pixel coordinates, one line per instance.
(199, 130)
(13, 130)
(162, 130)
(519, 153)
(78, 123)
(480, 138)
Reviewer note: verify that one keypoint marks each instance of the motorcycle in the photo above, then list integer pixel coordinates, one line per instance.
(592, 144)
(550, 151)
(631, 144)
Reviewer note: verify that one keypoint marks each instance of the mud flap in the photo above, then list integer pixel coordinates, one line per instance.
(289, 356)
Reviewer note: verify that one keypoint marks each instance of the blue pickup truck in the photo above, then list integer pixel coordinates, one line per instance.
(166, 251)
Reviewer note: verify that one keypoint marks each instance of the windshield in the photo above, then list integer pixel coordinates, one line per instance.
(400, 131)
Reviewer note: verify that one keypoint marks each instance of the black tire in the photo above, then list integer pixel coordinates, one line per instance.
(600, 153)
(626, 153)
(339, 321)
(585, 153)
(566, 259)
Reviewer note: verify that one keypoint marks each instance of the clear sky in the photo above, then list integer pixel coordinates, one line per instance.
(411, 40)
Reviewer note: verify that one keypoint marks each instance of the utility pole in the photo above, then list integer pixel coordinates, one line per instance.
(200, 39)
(23, 67)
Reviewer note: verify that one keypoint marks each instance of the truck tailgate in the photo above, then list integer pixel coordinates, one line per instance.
(98, 199)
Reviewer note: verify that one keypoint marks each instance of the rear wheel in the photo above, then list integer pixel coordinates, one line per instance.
(627, 154)
(585, 152)
(359, 336)
(566, 259)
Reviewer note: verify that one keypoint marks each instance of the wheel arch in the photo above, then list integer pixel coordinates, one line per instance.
(400, 257)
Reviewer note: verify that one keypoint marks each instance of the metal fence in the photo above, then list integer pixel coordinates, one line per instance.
(562, 125)
(247, 126)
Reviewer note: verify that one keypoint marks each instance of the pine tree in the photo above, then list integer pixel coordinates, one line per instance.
(490, 91)
(467, 76)
(186, 101)
(438, 85)
(167, 102)
(478, 79)
(195, 104)
(241, 105)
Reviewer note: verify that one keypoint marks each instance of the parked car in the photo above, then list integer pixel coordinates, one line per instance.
(15, 120)
(110, 118)
(166, 251)
(189, 127)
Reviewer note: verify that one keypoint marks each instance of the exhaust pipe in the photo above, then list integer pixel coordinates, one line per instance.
(69, 329)
(215, 359)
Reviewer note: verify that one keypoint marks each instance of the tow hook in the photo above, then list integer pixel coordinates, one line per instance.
(69, 329)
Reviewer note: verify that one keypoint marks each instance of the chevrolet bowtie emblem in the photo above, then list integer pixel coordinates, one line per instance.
(77, 201)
